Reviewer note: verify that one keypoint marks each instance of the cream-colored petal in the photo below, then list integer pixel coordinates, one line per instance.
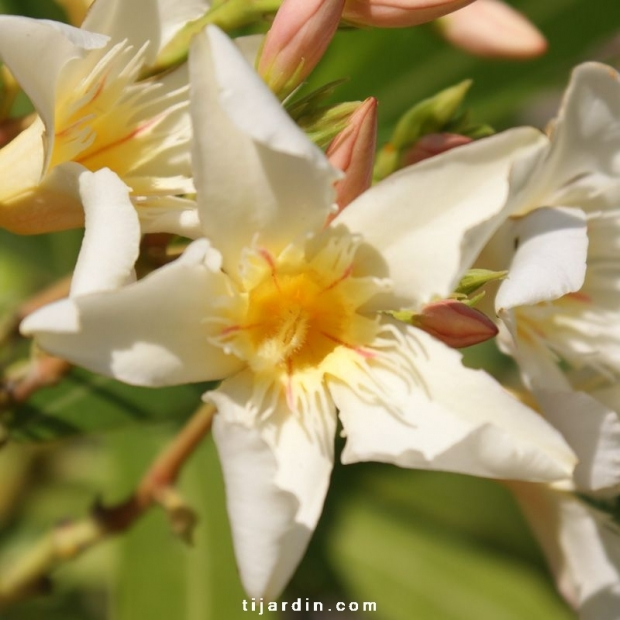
(582, 546)
(276, 473)
(170, 214)
(550, 247)
(256, 173)
(153, 332)
(592, 429)
(415, 405)
(37, 52)
(112, 237)
(152, 21)
(429, 221)
(585, 146)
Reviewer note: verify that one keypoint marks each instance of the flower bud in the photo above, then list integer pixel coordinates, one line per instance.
(430, 116)
(296, 41)
(353, 152)
(455, 323)
(397, 13)
(493, 29)
(432, 144)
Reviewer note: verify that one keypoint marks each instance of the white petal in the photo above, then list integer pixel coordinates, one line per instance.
(430, 412)
(585, 148)
(550, 250)
(177, 216)
(582, 546)
(37, 51)
(537, 363)
(593, 432)
(255, 170)
(429, 221)
(112, 235)
(153, 332)
(152, 21)
(276, 476)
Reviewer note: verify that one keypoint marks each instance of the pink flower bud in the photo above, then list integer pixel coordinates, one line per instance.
(455, 323)
(432, 144)
(492, 29)
(397, 13)
(353, 152)
(296, 41)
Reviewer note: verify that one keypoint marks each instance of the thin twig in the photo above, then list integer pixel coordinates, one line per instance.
(30, 574)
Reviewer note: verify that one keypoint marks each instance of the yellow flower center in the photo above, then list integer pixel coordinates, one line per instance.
(295, 318)
(110, 118)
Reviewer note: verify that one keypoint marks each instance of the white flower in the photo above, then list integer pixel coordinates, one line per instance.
(287, 311)
(582, 546)
(95, 111)
(566, 206)
(561, 300)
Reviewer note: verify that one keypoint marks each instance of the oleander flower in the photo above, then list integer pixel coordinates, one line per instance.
(581, 540)
(95, 111)
(561, 300)
(289, 312)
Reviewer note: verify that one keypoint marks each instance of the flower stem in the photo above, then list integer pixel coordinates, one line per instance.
(228, 15)
(29, 575)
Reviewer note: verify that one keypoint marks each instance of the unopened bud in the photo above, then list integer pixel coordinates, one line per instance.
(296, 41)
(432, 144)
(477, 278)
(493, 29)
(353, 152)
(429, 116)
(455, 323)
(397, 13)
(323, 124)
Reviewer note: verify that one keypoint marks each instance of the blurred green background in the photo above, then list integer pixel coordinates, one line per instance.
(423, 546)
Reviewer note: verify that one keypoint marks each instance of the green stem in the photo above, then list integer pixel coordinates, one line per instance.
(29, 574)
(227, 15)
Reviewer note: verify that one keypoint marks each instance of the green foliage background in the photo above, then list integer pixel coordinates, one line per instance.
(423, 546)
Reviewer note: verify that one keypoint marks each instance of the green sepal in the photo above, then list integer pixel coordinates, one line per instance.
(429, 116)
(228, 15)
(437, 114)
(472, 302)
(462, 124)
(406, 316)
(321, 123)
(475, 278)
(312, 102)
(433, 115)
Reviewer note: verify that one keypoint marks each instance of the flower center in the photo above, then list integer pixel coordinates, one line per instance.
(295, 317)
(111, 118)
(295, 320)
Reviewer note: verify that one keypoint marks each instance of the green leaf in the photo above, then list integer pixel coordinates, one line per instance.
(150, 578)
(85, 403)
(413, 568)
